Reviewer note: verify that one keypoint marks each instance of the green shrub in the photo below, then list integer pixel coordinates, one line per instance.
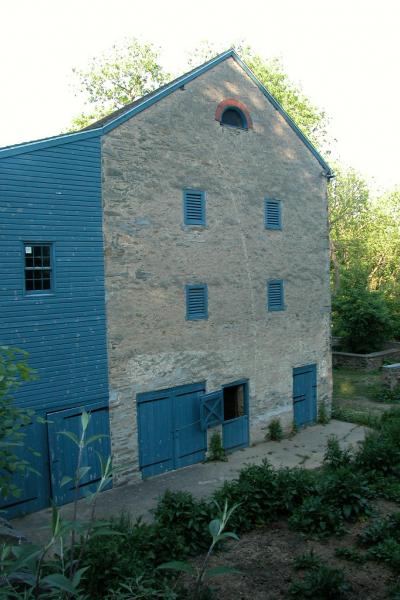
(257, 491)
(361, 318)
(293, 485)
(380, 529)
(323, 583)
(335, 456)
(275, 432)
(316, 517)
(351, 554)
(323, 415)
(132, 554)
(379, 452)
(216, 451)
(187, 517)
(384, 394)
(308, 560)
(387, 551)
(347, 491)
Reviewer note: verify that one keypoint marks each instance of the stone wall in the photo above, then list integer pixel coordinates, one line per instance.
(391, 376)
(150, 255)
(368, 362)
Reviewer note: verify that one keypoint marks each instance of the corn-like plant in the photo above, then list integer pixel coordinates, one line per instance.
(201, 574)
(29, 567)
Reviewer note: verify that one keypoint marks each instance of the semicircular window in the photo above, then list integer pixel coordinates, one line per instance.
(234, 118)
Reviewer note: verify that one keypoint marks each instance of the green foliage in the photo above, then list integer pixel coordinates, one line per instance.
(379, 452)
(130, 554)
(13, 372)
(351, 554)
(384, 394)
(275, 432)
(323, 414)
(200, 574)
(216, 451)
(323, 583)
(316, 517)
(361, 417)
(336, 457)
(55, 569)
(264, 494)
(308, 560)
(189, 518)
(361, 317)
(128, 71)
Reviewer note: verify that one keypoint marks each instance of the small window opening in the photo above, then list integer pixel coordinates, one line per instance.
(234, 402)
(234, 118)
(37, 267)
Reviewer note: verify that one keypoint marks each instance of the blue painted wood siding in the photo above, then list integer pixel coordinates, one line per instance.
(53, 195)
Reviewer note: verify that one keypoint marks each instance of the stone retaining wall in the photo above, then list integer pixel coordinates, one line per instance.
(391, 375)
(368, 362)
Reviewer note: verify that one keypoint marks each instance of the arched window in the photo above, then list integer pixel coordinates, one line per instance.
(234, 113)
(233, 117)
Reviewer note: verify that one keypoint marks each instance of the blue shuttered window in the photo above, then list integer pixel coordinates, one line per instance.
(273, 214)
(275, 296)
(194, 207)
(196, 302)
(211, 409)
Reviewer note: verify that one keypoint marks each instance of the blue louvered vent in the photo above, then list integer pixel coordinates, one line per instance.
(275, 294)
(273, 214)
(194, 207)
(196, 302)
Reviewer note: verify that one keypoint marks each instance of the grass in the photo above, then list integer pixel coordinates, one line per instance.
(349, 384)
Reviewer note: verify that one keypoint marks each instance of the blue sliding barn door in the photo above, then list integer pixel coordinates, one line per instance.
(170, 435)
(305, 395)
(64, 453)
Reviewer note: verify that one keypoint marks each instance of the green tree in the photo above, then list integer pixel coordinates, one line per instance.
(349, 222)
(128, 71)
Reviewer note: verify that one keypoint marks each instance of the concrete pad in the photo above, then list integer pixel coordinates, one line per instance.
(305, 449)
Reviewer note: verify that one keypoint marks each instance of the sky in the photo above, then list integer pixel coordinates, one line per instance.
(345, 55)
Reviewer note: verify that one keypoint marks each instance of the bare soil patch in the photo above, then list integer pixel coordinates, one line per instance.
(265, 559)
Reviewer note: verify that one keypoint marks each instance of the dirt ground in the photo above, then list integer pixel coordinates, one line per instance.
(265, 559)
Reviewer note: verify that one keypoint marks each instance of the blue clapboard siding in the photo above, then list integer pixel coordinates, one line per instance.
(54, 195)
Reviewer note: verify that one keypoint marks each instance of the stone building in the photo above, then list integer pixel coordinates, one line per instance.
(214, 309)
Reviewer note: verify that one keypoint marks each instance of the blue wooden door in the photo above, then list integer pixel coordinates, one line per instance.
(235, 428)
(33, 484)
(64, 453)
(169, 429)
(305, 395)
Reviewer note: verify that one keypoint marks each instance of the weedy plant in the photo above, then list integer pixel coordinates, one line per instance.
(323, 414)
(201, 574)
(336, 457)
(275, 432)
(216, 451)
(55, 569)
(321, 583)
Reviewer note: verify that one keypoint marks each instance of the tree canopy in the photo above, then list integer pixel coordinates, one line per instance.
(128, 71)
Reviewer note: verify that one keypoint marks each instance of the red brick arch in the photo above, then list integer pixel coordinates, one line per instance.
(232, 103)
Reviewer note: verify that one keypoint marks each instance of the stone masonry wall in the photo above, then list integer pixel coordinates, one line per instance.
(150, 255)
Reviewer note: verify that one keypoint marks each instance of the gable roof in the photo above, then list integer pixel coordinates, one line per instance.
(128, 111)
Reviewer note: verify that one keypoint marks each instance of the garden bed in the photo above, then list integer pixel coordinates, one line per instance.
(266, 561)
